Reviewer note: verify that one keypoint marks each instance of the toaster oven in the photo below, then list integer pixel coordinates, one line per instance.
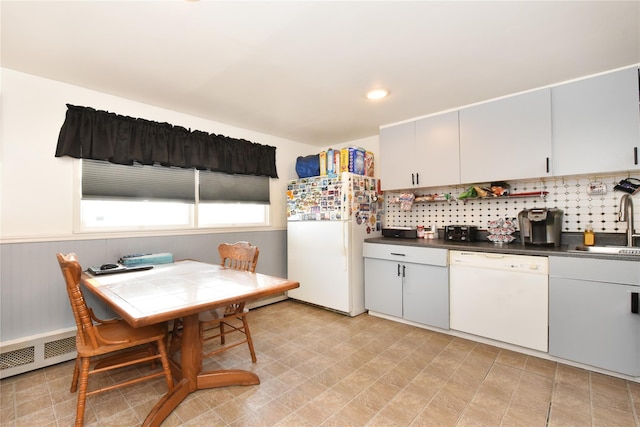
(460, 233)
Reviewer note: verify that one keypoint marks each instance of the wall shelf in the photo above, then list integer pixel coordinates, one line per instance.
(427, 199)
(540, 194)
(430, 198)
(450, 199)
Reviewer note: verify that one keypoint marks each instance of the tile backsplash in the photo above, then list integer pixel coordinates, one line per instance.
(566, 193)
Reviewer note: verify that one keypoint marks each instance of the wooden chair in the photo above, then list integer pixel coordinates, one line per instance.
(239, 256)
(111, 344)
(232, 318)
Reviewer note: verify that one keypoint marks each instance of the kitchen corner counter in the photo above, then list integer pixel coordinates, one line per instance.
(515, 248)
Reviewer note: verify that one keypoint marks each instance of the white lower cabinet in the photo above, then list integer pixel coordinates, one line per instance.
(407, 282)
(591, 313)
(383, 286)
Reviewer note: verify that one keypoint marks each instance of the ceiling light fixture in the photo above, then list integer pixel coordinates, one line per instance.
(377, 93)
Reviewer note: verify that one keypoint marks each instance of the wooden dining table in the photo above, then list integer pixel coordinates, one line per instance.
(183, 290)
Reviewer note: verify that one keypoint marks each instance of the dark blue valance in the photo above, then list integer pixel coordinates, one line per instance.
(99, 135)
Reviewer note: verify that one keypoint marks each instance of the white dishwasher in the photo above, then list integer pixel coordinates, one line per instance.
(499, 296)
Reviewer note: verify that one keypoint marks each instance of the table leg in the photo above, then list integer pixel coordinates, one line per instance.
(227, 377)
(192, 379)
(190, 362)
(167, 404)
(191, 350)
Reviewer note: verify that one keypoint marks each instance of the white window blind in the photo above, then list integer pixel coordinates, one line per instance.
(104, 180)
(222, 187)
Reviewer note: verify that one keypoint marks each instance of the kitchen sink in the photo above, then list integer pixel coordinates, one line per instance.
(613, 250)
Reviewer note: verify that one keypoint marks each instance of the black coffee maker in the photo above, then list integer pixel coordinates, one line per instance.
(540, 226)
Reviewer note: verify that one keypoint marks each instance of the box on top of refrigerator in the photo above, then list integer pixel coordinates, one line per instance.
(368, 164)
(330, 164)
(337, 159)
(323, 163)
(344, 160)
(356, 160)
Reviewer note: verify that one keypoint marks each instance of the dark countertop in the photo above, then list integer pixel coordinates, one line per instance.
(568, 243)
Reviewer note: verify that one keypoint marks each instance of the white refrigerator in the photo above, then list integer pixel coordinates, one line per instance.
(327, 222)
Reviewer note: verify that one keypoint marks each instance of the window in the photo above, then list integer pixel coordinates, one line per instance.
(230, 214)
(120, 198)
(97, 214)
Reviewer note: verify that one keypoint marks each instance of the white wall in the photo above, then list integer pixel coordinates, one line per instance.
(36, 188)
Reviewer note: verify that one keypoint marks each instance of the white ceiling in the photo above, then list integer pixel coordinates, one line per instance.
(300, 69)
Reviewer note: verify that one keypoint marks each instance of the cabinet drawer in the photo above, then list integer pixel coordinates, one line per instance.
(400, 253)
(595, 270)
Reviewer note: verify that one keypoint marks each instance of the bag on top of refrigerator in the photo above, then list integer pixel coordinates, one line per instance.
(308, 166)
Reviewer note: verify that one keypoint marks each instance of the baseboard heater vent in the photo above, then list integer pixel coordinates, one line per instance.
(35, 352)
(14, 358)
(39, 351)
(60, 347)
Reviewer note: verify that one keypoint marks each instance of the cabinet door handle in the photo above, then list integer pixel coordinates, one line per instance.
(417, 178)
(634, 302)
(635, 155)
(398, 270)
(397, 254)
(413, 179)
(404, 267)
(547, 165)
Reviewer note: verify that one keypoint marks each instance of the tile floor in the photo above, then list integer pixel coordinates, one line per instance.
(318, 368)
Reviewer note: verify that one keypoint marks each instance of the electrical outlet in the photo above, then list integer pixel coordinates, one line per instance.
(597, 188)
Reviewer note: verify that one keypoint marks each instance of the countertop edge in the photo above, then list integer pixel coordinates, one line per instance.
(508, 248)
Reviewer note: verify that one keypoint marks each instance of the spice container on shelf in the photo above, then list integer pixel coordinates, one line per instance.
(421, 232)
(589, 238)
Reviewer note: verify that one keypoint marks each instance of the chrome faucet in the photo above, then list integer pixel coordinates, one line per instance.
(626, 214)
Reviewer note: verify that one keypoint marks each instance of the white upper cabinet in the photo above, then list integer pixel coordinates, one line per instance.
(421, 153)
(397, 156)
(438, 150)
(596, 124)
(591, 126)
(506, 139)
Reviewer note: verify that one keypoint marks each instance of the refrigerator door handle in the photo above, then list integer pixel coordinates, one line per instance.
(345, 244)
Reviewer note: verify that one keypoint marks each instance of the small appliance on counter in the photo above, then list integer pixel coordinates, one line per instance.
(540, 226)
(460, 233)
(501, 230)
(400, 232)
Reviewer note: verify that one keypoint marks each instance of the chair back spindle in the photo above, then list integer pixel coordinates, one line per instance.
(239, 256)
(71, 271)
